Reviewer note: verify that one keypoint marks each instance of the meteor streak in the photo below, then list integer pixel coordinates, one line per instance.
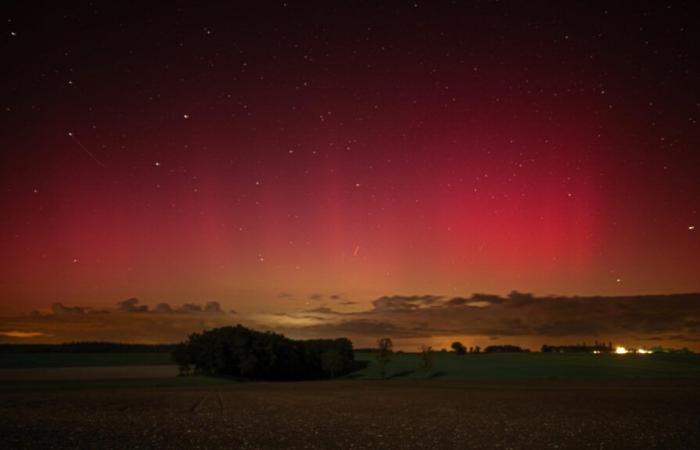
(80, 144)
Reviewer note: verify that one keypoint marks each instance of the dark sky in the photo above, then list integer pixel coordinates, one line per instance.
(271, 155)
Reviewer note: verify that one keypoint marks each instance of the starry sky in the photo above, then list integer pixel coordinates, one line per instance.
(286, 157)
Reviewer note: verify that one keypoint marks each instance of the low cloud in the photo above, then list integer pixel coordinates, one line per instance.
(213, 308)
(163, 308)
(518, 315)
(21, 334)
(190, 308)
(361, 327)
(131, 305)
(398, 303)
(59, 309)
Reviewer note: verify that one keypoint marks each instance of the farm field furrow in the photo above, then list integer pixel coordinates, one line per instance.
(393, 414)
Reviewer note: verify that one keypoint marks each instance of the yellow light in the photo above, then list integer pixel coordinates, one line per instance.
(641, 351)
(596, 352)
(621, 350)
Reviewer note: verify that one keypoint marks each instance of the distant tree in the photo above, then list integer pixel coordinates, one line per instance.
(477, 349)
(504, 349)
(242, 352)
(386, 349)
(331, 362)
(426, 357)
(459, 348)
(182, 359)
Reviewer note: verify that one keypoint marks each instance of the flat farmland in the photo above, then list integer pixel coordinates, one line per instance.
(392, 414)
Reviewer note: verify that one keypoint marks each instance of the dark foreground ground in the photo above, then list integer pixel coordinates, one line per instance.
(393, 414)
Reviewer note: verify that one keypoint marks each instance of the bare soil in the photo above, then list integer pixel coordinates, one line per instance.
(87, 373)
(360, 414)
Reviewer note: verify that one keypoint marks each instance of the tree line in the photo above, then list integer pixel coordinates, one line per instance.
(237, 351)
(578, 348)
(87, 347)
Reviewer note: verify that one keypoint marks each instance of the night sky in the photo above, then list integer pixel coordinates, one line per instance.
(300, 162)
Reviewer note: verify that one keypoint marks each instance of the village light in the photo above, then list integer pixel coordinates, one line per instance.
(621, 350)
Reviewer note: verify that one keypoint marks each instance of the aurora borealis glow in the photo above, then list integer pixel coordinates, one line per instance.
(259, 157)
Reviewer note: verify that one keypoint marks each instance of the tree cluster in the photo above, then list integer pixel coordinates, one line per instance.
(578, 348)
(460, 349)
(242, 352)
(504, 349)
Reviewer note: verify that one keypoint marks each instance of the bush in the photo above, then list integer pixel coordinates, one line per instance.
(242, 352)
(459, 348)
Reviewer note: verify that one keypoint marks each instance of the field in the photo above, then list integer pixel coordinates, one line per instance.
(519, 366)
(29, 360)
(474, 401)
(400, 414)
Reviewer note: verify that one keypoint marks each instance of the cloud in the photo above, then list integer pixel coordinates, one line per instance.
(163, 308)
(59, 309)
(362, 327)
(190, 308)
(518, 314)
(322, 310)
(131, 305)
(399, 303)
(315, 297)
(213, 308)
(284, 295)
(21, 334)
(522, 317)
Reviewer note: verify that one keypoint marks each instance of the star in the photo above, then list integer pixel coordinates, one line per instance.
(157, 163)
(691, 228)
(185, 116)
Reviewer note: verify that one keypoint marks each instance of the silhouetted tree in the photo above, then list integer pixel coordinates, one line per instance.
(386, 348)
(332, 362)
(504, 349)
(459, 348)
(241, 352)
(182, 359)
(426, 357)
